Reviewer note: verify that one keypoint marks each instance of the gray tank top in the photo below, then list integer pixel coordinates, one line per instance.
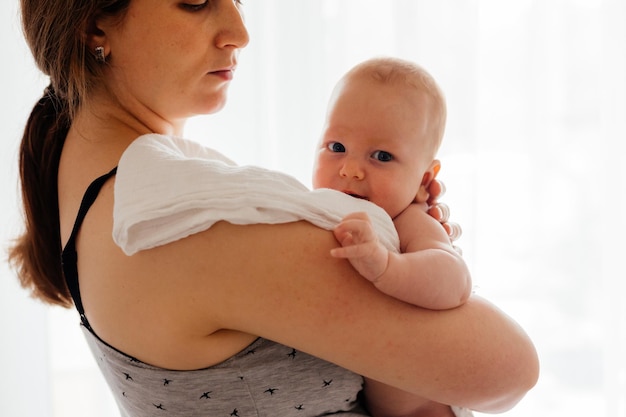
(265, 379)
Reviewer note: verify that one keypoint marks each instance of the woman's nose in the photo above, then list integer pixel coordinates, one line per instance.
(352, 170)
(234, 32)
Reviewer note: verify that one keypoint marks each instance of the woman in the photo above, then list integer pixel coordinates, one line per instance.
(192, 327)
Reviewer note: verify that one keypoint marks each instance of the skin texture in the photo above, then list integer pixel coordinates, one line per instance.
(464, 356)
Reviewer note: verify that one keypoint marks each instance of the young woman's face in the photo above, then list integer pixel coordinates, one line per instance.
(173, 59)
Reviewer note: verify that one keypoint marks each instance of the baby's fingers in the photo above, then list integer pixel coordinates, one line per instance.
(360, 230)
(353, 251)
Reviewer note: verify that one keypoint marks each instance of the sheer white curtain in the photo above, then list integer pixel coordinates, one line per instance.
(533, 159)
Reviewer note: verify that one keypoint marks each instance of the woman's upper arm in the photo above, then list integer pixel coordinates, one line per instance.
(280, 282)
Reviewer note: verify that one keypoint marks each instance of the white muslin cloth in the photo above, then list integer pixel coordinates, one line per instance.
(168, 188)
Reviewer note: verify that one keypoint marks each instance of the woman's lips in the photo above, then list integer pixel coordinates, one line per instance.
(226, 74)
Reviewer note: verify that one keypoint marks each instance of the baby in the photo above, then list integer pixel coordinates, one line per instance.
(383, 128)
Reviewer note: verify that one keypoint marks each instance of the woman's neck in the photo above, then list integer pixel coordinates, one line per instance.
(106, 116)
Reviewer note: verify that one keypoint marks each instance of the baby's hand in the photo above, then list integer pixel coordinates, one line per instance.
(360, 246)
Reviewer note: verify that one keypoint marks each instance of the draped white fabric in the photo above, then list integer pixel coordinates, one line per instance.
(533, 159)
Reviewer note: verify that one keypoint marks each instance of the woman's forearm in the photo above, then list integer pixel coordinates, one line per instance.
(505, 369)
(495, 361)
(472, 356)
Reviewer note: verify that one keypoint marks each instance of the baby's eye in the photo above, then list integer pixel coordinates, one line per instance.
(336, 147)
(382, 156)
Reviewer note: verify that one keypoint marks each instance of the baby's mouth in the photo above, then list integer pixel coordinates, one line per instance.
(357, 196)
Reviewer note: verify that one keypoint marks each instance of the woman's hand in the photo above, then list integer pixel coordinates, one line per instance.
(440, 211)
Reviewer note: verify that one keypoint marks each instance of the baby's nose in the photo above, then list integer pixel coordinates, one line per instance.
(352, 169)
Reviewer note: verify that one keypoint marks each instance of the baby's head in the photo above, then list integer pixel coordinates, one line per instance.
(384, 126)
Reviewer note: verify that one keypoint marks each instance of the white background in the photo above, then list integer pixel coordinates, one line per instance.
(533, 159)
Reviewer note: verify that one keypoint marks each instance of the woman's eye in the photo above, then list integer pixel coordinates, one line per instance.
(194, 7)
(336, 147)
(382, 156)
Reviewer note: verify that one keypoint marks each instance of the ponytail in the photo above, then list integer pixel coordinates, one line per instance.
(55, 32)
(36, 254)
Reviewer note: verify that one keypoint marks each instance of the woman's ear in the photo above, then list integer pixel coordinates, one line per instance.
(95, 36)
(427, 178)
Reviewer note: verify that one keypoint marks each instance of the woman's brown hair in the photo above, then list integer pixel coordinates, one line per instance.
(55, 32)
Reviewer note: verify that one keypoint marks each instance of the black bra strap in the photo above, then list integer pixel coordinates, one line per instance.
(69, 257)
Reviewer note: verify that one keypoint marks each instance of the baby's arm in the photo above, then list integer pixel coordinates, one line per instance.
(429, 273)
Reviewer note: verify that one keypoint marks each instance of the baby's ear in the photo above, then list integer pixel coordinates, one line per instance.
(429, 176)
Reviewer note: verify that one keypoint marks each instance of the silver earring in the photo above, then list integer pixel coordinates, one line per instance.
(100, 54)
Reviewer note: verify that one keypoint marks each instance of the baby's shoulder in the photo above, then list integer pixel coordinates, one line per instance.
(414, 223)
(414, 212)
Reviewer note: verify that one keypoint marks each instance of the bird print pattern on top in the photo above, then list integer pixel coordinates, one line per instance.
(265, 379)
